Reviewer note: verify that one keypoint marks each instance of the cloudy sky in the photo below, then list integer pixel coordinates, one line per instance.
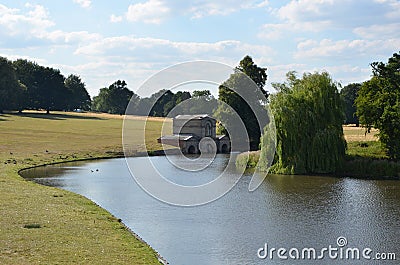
(103, 41)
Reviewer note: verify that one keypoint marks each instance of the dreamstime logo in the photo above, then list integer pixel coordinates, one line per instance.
(177, 78)
(340, 251)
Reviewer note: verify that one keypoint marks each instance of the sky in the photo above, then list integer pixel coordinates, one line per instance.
(104, 41)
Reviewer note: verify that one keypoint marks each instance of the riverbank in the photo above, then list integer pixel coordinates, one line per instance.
(47, 225)
(365, 157)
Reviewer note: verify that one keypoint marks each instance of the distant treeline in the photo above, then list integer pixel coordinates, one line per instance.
(115, 99)
(26, 85)
(374, 103)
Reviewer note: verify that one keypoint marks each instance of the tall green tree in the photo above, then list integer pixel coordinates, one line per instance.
(114, 99)
(45, 86)
(162, 102)
(378, 104)
(51, 89)
(238, 82)
(78, 97)
(308, 116)
(256, 73)
(349, 95)
(169, 103)
(11, 90)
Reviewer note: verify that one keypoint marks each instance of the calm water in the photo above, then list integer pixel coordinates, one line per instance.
(284, 212)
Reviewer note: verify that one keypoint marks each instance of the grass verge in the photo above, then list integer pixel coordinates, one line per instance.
(46, 225)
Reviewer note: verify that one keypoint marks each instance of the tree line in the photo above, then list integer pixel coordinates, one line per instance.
(115, 98)
(28, 85)
(309, 110)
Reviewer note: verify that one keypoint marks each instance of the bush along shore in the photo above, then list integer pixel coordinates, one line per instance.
(364, 159)
(47, 225)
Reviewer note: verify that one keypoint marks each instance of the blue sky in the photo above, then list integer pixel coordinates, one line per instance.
(103, 41)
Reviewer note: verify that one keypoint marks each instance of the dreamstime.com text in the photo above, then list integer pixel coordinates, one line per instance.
(339, 251)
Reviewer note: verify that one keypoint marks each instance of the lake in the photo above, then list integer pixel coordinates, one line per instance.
(294, 213)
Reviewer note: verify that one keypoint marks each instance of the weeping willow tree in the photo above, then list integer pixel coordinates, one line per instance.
(309, 115)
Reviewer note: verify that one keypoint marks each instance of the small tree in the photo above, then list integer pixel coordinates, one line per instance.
(308, 116)
(378, 104)
(349, 95)
(114, 99)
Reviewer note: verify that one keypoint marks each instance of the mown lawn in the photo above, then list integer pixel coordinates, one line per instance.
(46, 225)
(365, 156)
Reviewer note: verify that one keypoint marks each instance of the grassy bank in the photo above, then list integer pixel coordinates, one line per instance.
(46, 225)
(365, 157)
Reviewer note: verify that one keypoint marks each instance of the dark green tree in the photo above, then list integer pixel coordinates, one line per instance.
(52, 91)
(378, 104)
(256, 73)
(177, 99)
(349, 95)
(181, 96)
(202, 93)
(143, 106)
(308, 115)
(45, 86)
(162, 102)
(78, 96)
(114, 99)
(11, 90)
(201, 102)
(239, 82)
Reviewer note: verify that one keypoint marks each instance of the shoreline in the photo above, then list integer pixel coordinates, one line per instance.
(160, 258)
(347, 171)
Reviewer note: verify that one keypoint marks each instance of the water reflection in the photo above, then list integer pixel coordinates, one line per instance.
(285, 211)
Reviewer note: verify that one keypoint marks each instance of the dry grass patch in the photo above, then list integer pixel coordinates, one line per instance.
(353, 134)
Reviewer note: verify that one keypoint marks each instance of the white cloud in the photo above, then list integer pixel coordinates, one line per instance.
(303, 10)
(135, 59)
(345, 49)
(115, 19)
(279, 31)
(152, 11)
(156, 11)
(62, 37)
(385, 31)
(221, 8)
(35, 21)
(305, 16)
(83, 3)
(161, 49)
(33, 26)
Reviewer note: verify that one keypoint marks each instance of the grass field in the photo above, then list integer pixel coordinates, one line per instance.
(45, 225)
(358, 134)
